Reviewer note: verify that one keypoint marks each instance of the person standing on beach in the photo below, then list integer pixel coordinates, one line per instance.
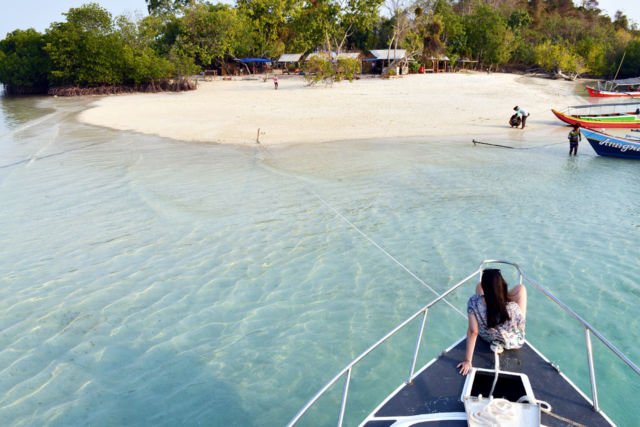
(275, 82)
(522, 113)
(574, 138)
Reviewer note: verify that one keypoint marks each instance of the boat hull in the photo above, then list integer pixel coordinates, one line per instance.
(612, 146)
(598, 122)
(596, 93)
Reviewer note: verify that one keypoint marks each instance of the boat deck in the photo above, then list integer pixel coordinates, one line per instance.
(437, 389)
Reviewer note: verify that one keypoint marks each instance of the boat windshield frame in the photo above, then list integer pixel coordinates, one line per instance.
(619, 108)
(589, 331)
(612, 85)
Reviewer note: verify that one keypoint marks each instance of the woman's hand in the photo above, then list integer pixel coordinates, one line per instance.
(464, 366)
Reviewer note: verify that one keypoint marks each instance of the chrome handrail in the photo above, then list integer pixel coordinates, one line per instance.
(423, 311)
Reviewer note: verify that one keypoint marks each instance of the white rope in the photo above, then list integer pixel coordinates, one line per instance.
(369, 239)
(374, 243)
(497, 412)
(497, 349)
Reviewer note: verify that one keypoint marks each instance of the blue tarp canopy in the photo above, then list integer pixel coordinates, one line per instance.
(248, 60)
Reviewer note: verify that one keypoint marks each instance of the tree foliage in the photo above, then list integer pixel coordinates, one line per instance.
(266, 22)
(209, 33)
(181, 37)
(322, 68)
(85, 50)
(489, 38)
(558, 57)
(23, 62)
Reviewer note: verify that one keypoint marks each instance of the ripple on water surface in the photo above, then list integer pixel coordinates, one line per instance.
(153, 282)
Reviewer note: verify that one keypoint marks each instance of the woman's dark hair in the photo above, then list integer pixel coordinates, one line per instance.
(495, 296)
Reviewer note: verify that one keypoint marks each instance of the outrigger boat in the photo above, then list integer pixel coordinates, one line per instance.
(516, 388)
(613, 146)
(623, 115)
(616, 88)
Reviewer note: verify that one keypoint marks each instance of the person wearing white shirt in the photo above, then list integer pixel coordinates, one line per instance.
(522, 113)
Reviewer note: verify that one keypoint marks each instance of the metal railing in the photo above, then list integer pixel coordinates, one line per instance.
(589, 330)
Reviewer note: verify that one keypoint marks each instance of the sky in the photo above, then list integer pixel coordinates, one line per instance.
(39, 14)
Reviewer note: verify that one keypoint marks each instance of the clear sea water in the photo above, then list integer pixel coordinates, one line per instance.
(147, 281)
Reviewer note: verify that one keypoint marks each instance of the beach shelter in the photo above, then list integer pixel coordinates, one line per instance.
(289, 62)
(323, 54)
(471, 63)
(438, 63)
(378, 59)
(350, 55)
(255, 65)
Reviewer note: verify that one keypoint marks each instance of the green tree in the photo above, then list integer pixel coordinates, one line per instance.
(453, 34)
(267, 20)
(558, 58)
(631, 63)
(329, 24)
(208, 33)
(593, 51)
(489, 37)
(85, 50)
(142, 62)
(24, 65)
(164, 7)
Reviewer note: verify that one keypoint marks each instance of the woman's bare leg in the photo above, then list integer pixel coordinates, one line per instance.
(519, 295)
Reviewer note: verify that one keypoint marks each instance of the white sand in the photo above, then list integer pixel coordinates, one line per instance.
(469, 104)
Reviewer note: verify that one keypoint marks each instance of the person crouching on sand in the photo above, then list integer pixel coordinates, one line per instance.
(522, 113)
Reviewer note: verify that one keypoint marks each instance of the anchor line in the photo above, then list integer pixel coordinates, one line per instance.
(367, 237)
(475, 141)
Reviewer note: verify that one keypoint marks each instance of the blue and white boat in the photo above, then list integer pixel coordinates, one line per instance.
(612, 146)
(516, 388)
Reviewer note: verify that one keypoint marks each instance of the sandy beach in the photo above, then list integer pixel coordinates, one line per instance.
(431, 105)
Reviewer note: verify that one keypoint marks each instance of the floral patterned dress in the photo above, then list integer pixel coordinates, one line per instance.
(510, 333)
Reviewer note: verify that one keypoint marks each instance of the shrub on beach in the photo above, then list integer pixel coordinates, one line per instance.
(322, 69)
(347, 68)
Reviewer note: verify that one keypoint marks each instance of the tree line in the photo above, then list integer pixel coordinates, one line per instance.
(92, 50)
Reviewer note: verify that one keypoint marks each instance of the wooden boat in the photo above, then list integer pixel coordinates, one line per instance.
(616, 88)
(613, 146)
(522, 384)
(622, 115)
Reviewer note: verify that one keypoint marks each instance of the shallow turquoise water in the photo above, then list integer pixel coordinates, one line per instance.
(145, 281)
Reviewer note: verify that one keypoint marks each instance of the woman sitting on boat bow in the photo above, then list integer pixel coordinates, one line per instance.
(496, 314)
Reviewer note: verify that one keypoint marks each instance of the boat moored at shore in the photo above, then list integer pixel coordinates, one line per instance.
(616, 88)
(620, 115)
(612, 146)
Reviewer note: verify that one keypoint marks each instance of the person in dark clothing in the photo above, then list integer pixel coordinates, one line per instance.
(574, 138)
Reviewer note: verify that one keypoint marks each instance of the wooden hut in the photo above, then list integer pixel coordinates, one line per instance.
(468, 64)
(379, 59)
(438, 64)
(289, 63)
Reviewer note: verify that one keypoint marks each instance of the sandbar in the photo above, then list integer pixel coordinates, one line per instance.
(247, 111)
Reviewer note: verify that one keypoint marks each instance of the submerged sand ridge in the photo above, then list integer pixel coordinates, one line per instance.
(448, 104)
